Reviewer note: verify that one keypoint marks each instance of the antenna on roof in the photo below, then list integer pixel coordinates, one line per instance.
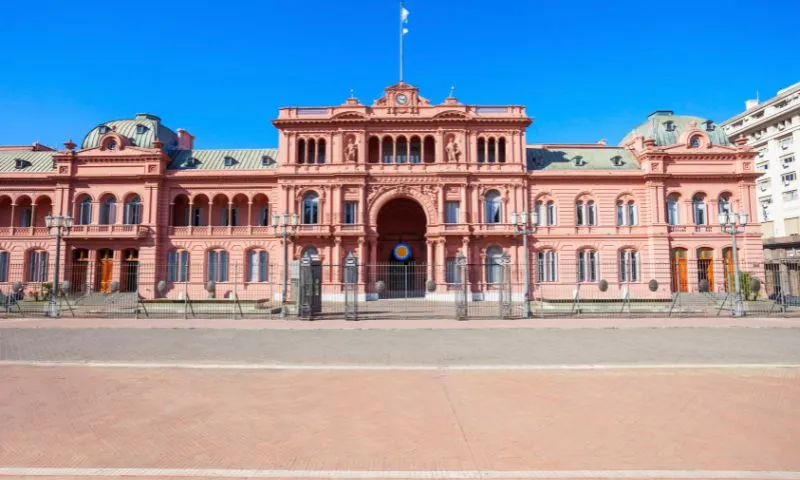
(757, 96)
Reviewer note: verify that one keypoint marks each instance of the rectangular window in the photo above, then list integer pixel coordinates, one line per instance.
(579, 213)
(787, 161)
(132, 214)
(178, 266)
(263, 216)
(764, 185)
(789, 196)
(547, 266)
(788, 178)
(672, 212)
(785, 142)
(539, 212)
(591, 214)
(257, 265)
(452, 272)
(633, 214)
(350, 213)
(452, 210)
(629, 266)
(620, 214)
(37, 266)
(217, 266)
(197, 215)
(766, 206)
(4, 266)
(25, 216)
(551, 213)
(763, 166)
(587, 266)
(85, 213)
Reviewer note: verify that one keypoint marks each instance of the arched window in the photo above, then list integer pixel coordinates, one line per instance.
(108, 211)
(579, 214)
(84, 211)
(591, 213)
(178, 266)
(321, 152)
(585, 213)
(551, 213)
(388, 150)
(587, 265)
(133, 211)
(217, 266)
(4, 259)
(312, 151)
(494, 265)
(547, 266)
(402, 149)
(673, 214)
(429, 149)
(374, 149)
(699, 209)
(633, 213)
(492, 152)
(493, 207)
(416, 150)
(37, 266)
(311, 208)
(539, 217)
(694, 142)
(627, 213)
(628, 265)
(501, 150)
(301, 151)
(724, 203)
(481, 150)
(620, 213)
(309, 251)
(257, 262)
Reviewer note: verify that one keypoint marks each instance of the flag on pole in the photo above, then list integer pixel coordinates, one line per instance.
(403, 18)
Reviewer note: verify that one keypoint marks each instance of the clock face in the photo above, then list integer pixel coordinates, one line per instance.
(402, 99)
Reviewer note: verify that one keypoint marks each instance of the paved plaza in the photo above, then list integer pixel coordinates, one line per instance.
(378, 403)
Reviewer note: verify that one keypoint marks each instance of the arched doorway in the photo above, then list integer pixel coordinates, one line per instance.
(680, 280)
(80, 271)
(129, 273)
(705, 267)
(105, 267)
(401, 245)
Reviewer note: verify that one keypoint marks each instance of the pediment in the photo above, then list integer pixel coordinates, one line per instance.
(350, 116)
(451, 115)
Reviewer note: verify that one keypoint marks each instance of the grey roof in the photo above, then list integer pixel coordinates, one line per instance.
(580, 158)
(32, 162)
(128, 128)
(659, 128)
(247, 159)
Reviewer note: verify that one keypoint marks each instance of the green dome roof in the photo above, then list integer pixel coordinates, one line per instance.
(142, 131)
(665, 128)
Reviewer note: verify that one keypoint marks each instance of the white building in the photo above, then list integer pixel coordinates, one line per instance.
(773, 129)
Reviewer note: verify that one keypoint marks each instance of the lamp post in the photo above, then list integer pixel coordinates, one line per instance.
(734, 224)
(57, 226)
(285, 225)
(523, 226)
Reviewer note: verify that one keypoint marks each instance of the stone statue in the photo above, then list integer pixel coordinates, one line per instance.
(351, 150)
(452, 150)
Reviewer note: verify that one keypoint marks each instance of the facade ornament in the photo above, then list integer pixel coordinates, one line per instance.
(452, 150)
(351, 150)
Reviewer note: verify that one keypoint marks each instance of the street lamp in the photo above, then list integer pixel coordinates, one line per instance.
(57, 226)
(285, 225)
(523, 226)
(734, 224)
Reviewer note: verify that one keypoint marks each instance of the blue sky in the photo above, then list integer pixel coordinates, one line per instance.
(585, 69)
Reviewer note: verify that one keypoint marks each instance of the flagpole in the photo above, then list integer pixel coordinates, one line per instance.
(401, 40)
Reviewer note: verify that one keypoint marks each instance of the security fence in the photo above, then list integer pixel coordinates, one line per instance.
(318, 290)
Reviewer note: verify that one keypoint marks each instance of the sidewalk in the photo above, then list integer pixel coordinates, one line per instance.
(549, 323)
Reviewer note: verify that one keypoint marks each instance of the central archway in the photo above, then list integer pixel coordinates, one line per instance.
(402, 253)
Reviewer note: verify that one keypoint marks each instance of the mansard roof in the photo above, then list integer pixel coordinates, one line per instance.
(566, 157)
(130, 128)
(242, 159)
(666, 128)
(26, 162)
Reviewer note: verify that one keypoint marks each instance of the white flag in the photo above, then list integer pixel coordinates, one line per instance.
(405, 30)
(403, 14)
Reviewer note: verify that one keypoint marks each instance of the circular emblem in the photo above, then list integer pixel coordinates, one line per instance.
(401, 252)
(402, 99)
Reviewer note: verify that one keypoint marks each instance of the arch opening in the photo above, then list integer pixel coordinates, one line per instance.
(401, 226)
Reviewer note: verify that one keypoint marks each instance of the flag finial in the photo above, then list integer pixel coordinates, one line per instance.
(403, 30)
(452, 91)
(352, 93)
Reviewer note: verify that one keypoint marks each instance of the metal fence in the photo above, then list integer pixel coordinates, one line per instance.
(316, 290)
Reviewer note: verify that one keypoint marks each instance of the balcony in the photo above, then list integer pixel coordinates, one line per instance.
(106, 231)
(349, 229)
(494, 229)
(220, 231)
(23, 231)
(693, 229)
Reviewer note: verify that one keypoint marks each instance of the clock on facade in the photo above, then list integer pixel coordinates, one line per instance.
(402, 99)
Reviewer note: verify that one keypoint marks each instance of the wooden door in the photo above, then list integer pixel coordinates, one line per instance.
(129, 271)
(705, 266)
(727, 260)
(680, 278)
(105, 269)
(80, 271)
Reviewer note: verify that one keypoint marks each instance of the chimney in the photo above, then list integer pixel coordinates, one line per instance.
(185, 140)
(752, 103)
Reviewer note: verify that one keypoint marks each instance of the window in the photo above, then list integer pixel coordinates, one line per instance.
(788, 178)
(416, 150)
(234, 216)
(263, 216)
(591, 213)
(587, 266)
(481, 150)
(766, 209)
(311, 208)
(197, 215)
(108, 211)
(4, 266)
(764, 185)
(388, 150)
(579, 216)
(402, 147)
(25, 214)
(585, 213)
(699, 209)
(628, 265)
(84, 211)
(133, 211)
(321, 151)
(494, 265)
(787, 161)
(178, 266)
(452, 273)
(539, 213)
(724, 203)
(789, 196)
(673, 217)
(763, 166)
(451, 213)
(695, 142)
(762, 152)
(785, 143)
(217, 266)
(37, 266)
(257, 265)
(551, 213)
(627, 213)
(230, 161)
(633, 213)
(140, 129)
(350, 213)
(492, 206)
(547, 266)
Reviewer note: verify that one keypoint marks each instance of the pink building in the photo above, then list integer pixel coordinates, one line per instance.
(437, 179)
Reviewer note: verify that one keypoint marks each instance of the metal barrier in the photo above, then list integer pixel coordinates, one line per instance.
(357, 291)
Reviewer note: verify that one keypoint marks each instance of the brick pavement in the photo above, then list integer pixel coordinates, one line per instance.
(418, 421)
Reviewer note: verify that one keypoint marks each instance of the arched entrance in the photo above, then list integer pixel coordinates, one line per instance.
(105, 267)
(402, 253)
(129, 273)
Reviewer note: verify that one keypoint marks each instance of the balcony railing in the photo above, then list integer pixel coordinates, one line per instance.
(106, 231)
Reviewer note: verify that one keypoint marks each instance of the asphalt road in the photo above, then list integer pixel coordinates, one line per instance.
(406, 347)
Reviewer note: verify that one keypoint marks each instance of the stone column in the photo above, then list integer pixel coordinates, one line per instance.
(429, 253)
(33, 218)
(440, 258)
(441, 203)
(171, 215)
(463, 206)
(373, 258)
(230, 217)
(336, 262)
(191, 215)
(361, 262)
(250, 216)
(13, 214)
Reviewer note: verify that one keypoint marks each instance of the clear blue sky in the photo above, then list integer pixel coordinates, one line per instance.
(585, 69)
